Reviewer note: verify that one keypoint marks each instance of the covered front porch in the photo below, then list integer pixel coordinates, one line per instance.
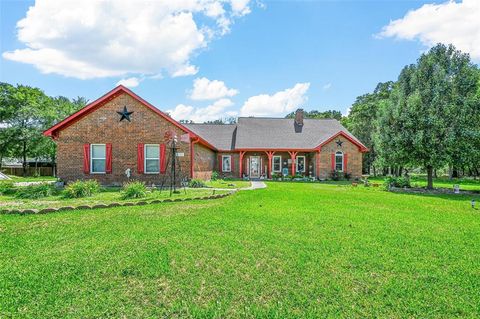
(263, 164)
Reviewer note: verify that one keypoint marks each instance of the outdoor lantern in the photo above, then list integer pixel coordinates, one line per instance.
(473, 203)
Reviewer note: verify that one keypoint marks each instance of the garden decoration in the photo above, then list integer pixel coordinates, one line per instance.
(173, 168)
(456, 189)
(125, 114)
(473, 203)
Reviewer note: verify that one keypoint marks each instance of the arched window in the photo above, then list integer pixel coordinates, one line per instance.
(339, 161)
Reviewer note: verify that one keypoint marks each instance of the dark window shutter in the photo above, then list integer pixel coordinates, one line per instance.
(86, 158)
(108, 161)
(163, 162)
(140, 158)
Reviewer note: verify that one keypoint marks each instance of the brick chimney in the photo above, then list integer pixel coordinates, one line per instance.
(299, 117)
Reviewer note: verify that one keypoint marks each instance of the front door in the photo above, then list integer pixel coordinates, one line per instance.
(254, 166)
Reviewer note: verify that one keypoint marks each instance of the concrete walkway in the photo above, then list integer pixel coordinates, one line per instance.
(255, 185)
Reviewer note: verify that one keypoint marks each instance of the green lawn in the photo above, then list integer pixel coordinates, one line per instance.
(228, 184)
(17, 179)
(291, 250)
(441, 182)
(106, 196)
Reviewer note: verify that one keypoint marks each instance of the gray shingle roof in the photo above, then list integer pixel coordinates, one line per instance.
(222, 136)
(269, 133)
(282, 133)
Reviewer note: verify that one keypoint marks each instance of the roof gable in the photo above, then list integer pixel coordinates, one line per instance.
(91, 107)
(282, 134)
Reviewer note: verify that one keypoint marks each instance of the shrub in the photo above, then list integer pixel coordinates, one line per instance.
(397, 182)
(134, 190)
(335, 175)
(35, 191)
(196, 183)
(81, 189)
(215, 176)
(347, 176)
(7, 188)
(276, 176)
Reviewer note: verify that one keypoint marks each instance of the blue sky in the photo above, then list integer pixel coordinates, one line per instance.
(256, 58)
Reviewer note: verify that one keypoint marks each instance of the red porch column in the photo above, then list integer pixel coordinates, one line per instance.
(240, 169)
(317, 170)
(293, 155)
(270, 156)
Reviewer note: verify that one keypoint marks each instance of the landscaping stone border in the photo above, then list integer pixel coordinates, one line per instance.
(435, 191)
(47, 210)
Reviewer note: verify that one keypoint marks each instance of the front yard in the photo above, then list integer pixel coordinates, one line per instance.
(291, 250)
(105, 196)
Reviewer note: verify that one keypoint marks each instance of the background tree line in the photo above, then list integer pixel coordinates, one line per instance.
(25, 112)
(428, 119)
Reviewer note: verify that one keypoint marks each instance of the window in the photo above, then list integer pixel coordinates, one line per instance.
(226, 163)
(339, 161)
(98, 158)
(152, 159)
(277, 164)
(300, 164)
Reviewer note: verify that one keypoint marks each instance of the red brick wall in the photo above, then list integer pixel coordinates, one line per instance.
(354, 156)
(103, 126)
(204, 162)
(235, 164)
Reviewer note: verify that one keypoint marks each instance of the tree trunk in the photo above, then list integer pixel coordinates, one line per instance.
(454, 172)
(429, 177)
(24, 163)
(374, 171)
(435, 173)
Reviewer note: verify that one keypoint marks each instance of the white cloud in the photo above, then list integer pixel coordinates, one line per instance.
(93, 39)
(327, 86)
(215, 111)
(129, 82)
(204, 89)
(279, 103)
(452, 22)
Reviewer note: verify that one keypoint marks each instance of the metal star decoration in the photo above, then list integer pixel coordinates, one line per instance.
(339, 143)
(125, 115)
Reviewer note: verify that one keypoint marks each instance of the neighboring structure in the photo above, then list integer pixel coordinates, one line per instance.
(121, 131)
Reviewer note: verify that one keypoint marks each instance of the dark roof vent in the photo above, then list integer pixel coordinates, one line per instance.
(298, 124)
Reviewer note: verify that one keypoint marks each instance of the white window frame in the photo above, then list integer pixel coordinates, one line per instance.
(150, 158)
(98, 158)
(338, 154)
(230, 168)
(273, 164)
(304, 164)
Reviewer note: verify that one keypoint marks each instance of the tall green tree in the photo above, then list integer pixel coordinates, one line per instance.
(361, 120)
(25, 112)
(426, 121)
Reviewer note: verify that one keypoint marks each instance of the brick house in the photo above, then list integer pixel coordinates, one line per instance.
(120, 131)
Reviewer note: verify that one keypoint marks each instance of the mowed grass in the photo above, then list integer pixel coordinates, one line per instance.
(469, 184)
(105, 196)
(20, 179)
(220, 183)
(291, 250)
